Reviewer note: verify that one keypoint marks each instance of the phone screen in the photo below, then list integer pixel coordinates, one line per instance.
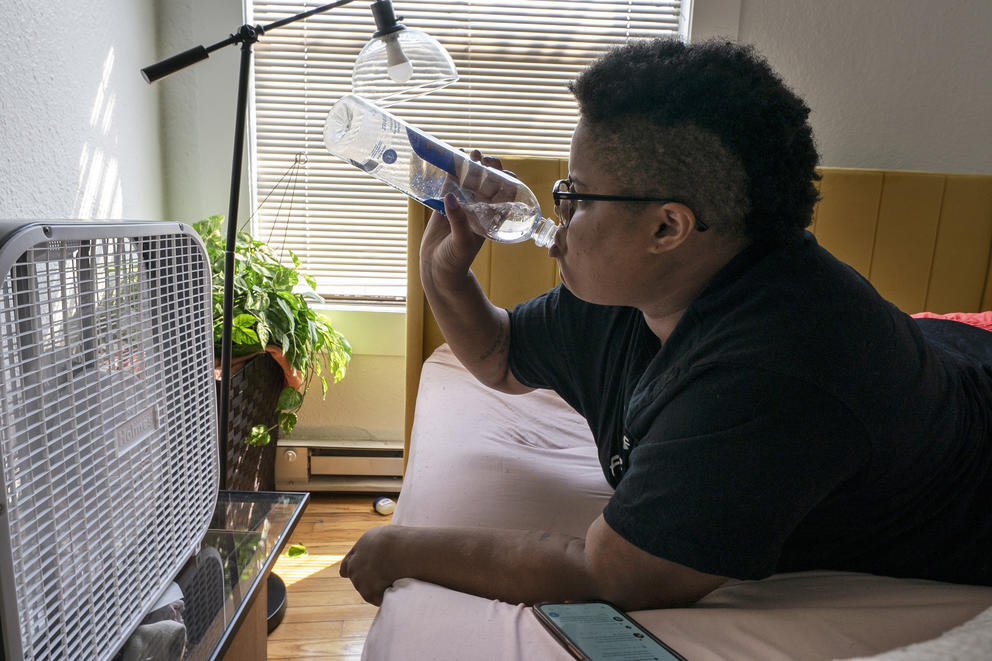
(602, 632)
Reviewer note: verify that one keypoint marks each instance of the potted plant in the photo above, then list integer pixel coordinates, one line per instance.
(274, 324)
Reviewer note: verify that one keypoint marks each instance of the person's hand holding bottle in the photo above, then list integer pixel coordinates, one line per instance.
(451, 241)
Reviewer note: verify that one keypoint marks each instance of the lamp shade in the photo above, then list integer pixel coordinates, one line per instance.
(401, 65)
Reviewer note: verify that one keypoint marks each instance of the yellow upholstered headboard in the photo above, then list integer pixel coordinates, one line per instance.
(923, 239)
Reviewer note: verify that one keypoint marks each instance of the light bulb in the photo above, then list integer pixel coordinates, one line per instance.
(401, 72)
(397, 65)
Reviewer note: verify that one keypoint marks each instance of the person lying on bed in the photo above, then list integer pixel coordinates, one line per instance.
(757, 406)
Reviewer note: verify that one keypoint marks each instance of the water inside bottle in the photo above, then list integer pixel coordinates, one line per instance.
(505, 221)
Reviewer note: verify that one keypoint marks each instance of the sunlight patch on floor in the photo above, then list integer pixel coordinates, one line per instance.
(293, 570)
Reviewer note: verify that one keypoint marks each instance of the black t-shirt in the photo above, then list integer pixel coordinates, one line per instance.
(794, 420)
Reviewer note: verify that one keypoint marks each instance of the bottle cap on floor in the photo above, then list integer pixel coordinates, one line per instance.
(383, 505)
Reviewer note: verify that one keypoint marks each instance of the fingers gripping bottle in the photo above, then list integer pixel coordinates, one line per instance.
(425, 168)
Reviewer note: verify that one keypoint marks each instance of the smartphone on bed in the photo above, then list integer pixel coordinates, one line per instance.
(598, 630)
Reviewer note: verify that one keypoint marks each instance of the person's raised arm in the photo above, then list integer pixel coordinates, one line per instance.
(477, 331)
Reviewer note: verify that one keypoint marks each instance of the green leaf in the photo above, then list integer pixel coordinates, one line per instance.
(288, 312)
(262, 329)
(296, 551)
(259, 436)
(259, 302)
(289, 399)
(242, 335)
(285, 278)
(287, 421)
(244, 321)
(291, 300)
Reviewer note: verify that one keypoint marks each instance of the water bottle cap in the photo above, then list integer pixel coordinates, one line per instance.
(545, 232)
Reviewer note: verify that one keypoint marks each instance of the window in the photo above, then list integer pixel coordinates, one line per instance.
(514, 59)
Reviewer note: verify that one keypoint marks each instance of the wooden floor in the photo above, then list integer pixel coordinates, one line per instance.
(325, 617)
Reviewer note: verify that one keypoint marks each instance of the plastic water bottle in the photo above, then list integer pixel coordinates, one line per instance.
(425, 168)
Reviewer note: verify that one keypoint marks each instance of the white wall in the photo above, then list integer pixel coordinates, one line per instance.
(79, 127)
(370, 402)
(900, 84)
(198, 109)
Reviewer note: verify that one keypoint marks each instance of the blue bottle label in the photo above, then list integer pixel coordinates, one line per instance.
(435, 154)
(435, 204)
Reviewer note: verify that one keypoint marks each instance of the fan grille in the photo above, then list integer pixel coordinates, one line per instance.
(107, 432)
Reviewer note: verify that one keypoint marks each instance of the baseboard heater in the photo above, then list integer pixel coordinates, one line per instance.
(340, 465)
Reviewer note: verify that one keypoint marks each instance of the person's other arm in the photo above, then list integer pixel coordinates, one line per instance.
(524, 567)
(477, 331)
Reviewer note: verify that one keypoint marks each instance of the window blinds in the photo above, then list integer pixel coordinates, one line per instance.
(514, 59)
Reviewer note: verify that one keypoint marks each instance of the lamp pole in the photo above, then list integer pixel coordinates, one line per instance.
(249, 37)
(246, 35)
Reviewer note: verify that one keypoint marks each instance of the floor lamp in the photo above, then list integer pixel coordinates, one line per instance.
(398, 63)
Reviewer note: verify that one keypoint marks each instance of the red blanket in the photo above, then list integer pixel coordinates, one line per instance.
(980, 319)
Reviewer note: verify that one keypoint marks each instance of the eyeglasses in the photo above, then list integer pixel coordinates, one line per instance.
(565, 198)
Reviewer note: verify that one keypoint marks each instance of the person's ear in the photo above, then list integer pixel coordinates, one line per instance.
(674, 223)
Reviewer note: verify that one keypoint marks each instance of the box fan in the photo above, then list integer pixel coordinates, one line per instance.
(108, 429)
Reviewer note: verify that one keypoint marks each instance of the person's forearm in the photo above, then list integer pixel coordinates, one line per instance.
(477, 331)
(512, 566)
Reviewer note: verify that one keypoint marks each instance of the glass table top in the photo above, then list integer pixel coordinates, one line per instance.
(212, 593)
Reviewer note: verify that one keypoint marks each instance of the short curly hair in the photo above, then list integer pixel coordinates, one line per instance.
(657, 104)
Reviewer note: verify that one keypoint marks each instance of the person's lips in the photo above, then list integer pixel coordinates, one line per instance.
(555, 249)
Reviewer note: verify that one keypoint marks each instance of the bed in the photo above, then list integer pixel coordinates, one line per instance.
(476, 457)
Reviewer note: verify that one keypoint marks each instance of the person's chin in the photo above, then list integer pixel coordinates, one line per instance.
(564, 278)
(583, 295)
(568, 284)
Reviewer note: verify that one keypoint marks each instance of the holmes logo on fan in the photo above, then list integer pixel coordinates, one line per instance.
(136, 429)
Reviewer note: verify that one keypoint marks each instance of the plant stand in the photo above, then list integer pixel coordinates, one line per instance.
(255, 392)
